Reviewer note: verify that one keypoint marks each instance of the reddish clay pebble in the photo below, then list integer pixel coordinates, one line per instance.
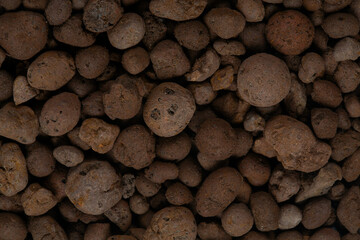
(263, 80)
(290, 32)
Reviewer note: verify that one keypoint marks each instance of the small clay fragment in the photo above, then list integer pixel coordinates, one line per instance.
(98, 134)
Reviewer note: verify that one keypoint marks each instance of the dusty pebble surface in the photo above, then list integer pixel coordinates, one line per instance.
(179, 119)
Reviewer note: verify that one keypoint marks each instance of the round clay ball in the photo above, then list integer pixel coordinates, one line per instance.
(101, 15)
(60, 114)
(91, 62)
(23, 34)
(263, 80)
(216, 138)
(193, 35)
(86, 191)
(289, 32)
(168, 109)
(51, 70)
(174, 148)
(58, 11)
(135, 60)
(135, 147)
(128, 32)
(172, 223)
(12, 227)
(237, 220)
